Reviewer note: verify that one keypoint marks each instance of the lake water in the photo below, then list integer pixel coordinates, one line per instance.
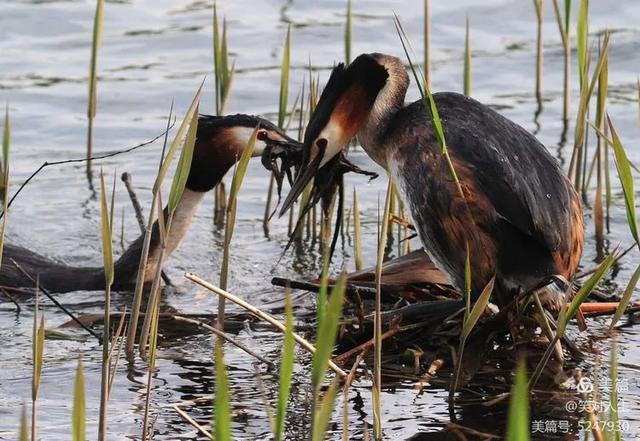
(156, 51)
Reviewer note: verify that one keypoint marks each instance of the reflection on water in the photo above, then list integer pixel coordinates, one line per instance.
(156, 51)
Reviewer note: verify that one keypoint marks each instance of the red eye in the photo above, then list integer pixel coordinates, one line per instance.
(262, 135)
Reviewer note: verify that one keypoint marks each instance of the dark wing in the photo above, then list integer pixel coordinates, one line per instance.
(515, 171)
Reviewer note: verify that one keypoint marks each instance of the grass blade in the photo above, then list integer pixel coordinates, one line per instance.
(584, 291)
(222, 404)
(427, 43)
(357, 232)
(323, 412)
(6, 142)
(467, 60)
(626, 180)
(166, 163)
(518, 427)
(232, 205)
(93, 76)
(626, 297)
(184, 164)
(478, 308)
(582, 36)
(38, 361)
(284, 79)
(286, 370)
(216, 58)
(327, 332)
(78, 418)
(24, 428)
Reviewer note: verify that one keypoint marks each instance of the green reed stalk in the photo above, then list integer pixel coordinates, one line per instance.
(539, 6)
(467, 60)
(582, 37)
(586, 91)
(232, 206)
(427, 43)
(328, 325)
(377, 333)
(223, 75)
(284, 79)
(78, 414)
(564, 26)
(165, 162)
(177, 189)
(93, 77)
(430, 105)
(347, 35)
(6, 143)
(107, 258)
(222, 399)
(598, 212)
(518, 426)
(286, 370)
(613, 429)
(24, 427)
(38, 362)
(357, 232)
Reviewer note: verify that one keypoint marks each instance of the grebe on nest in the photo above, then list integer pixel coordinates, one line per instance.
(219, 144)
(520, 217)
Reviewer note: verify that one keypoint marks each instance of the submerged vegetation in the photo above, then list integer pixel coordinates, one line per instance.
(379, 324)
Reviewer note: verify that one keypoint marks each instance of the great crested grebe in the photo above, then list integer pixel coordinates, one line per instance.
(520, 217)
(219, 143)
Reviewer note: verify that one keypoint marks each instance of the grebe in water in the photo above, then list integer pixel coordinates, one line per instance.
(520, 217)
(219, 144)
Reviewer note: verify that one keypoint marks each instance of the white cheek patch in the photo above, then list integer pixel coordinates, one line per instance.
(241, 137)
(334, 134)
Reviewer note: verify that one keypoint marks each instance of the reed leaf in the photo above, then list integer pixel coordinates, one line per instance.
(357, 232)
(429, 103)
(518, 427)
(107, 257)
(222, 398)
(6, 142)
(323, 412)
(166, 163)
(327, 331)
(38, 356)
(478, 308)
(566, 44)
(347, 35)
(377, 333)
(286, 369)
(613, 429)
(232, 205)
(98, 20)
(78, 414)
(626, 297)
(107, 252)
(284, 78)
(567, 314)
(467, 60)
(184, 164)
(582, 36)
(467, 285)
(623, 166)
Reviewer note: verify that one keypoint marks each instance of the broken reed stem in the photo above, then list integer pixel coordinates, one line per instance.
(226, 337)
(261, 315)
(193, 422)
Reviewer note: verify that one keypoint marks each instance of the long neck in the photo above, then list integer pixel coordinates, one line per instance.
(388, 102)
(126, 267)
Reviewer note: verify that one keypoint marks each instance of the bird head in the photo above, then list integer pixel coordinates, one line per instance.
(341, 111)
